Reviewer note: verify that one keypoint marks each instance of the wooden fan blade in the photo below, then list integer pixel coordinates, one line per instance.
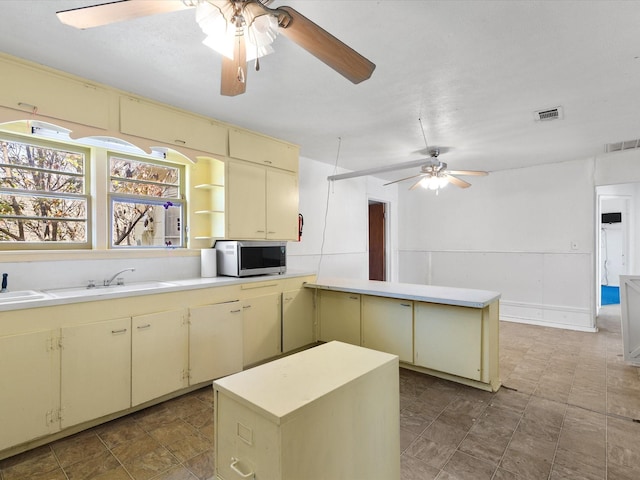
(406, 178)
(118, 11)
(327, 48)
(234, 72)
(458, 182)
(477, 173)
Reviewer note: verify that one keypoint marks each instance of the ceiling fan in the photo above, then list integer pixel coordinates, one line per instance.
(435, 175)
(240, 29)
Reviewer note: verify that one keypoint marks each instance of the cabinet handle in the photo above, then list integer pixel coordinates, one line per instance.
(353, 297)
(271, 231)
(122, 330)
(288, 299)
(405, 304)
(179, 142)
(268, 162)
(246, 306)
(236, 311)
(234, 463)
(259, 231)
(140, 327)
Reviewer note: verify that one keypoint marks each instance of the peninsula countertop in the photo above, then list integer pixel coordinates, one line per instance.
(463, 297)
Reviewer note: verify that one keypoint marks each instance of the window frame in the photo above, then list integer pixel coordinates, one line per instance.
(113, 197)
(86, 196)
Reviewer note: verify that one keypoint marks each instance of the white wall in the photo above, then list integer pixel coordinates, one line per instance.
(335, 238)
(527, 233)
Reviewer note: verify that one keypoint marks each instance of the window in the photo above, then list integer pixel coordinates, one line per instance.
(43, 198)
(146, 203)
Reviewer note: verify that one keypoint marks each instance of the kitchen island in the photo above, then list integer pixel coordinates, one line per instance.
(448, 332)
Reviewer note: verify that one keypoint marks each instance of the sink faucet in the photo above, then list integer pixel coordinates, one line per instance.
(109, 281)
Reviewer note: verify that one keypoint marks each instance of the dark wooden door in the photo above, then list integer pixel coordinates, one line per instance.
(376, 242)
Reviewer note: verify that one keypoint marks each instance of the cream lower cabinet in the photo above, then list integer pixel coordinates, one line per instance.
(449, 339)
(339, 316)
(261, 328)
(215, 341)
(159, 355)
(96, 370)
(29, 386)
(298, 314)
(387, 326)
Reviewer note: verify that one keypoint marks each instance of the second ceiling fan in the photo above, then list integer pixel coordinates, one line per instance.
(241, 30)
(435, 175)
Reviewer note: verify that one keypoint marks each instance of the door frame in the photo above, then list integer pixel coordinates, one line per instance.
(387, 235)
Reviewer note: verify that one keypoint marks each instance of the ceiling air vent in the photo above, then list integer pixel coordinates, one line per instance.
(620, 146)
(548, 114)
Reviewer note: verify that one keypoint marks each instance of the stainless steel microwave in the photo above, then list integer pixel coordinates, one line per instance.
(243, 258)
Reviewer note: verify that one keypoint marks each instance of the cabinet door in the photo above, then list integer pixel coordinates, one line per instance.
(297, 319)
(387, 326)
(159, 355)
(261, 328)
(215, 341)
(53, 95)
(282, 205)
(245, 206)
(267, 151)
(96, 370)
(29, 386)
(339, 317)
(170, 126)
(448, 339)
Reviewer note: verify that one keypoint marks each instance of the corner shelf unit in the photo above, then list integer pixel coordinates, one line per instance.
(207, 203)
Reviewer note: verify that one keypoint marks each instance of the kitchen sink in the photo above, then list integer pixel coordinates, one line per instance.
(111, 289)
(21, 296)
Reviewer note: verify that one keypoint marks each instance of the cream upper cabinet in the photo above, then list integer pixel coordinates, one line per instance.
(261, 329)
(298, 327)
(264, 150)
(171, 126)
(246, 197)
(215, 341)
(282, 205)
(39, 92)
(387, 326)
(29, 386)
(449, 339)
(159, 355)
(262, 203)
(339, 316)
(96, 370)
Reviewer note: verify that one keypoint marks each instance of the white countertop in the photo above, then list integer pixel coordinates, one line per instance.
(51, 297)
(463, 297)
(279, 388)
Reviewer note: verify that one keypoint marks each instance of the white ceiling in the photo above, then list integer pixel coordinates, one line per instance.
(474, 71)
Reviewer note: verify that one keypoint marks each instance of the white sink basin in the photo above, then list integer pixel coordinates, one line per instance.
(20, 296)
(100, 290)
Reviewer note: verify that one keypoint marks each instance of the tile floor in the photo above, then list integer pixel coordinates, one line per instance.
(569, 409)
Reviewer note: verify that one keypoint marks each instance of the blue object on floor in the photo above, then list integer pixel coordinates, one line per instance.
(609, 295)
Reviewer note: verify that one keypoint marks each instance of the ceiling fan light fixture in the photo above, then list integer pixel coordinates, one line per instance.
(434, 183)
(220, 34)
(259, 32)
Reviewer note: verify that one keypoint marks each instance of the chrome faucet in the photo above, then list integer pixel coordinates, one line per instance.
(108, 282)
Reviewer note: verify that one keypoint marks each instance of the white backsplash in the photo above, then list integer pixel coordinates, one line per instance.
(73, 273)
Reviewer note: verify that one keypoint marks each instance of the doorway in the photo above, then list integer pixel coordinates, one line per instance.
(613, 222)
(377, 241)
